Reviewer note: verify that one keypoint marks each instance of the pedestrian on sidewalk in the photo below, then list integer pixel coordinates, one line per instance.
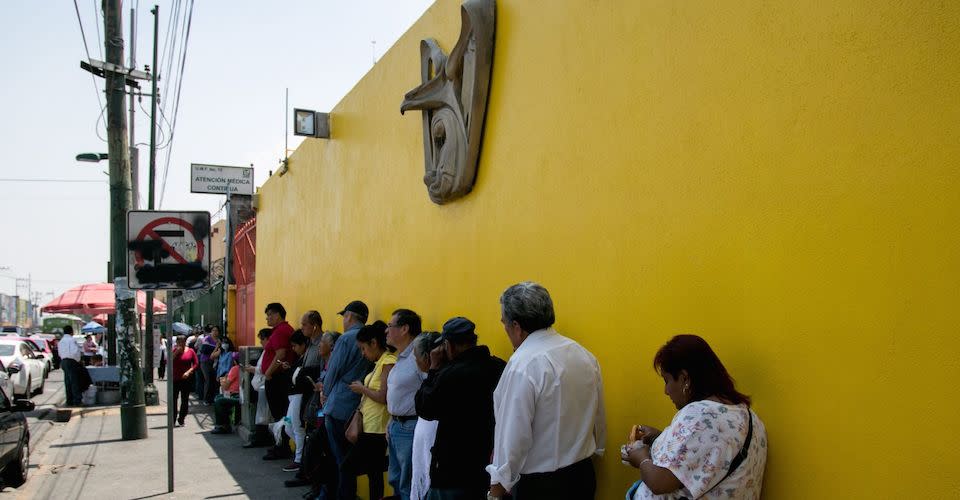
(319, 468)
(184, 365)
(300, 388)
(70, 362)
(89, 349)
(549, 406)
(404, 382)
(367, 454)
(228, 401)
(162, 367)
(426, 431)
(346, 365)
(277, 354)
(458, 394)
(208, 370)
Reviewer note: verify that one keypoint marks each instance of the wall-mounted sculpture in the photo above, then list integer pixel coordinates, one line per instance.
(453, 98)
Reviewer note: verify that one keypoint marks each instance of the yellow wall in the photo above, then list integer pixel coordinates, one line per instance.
(780, 177)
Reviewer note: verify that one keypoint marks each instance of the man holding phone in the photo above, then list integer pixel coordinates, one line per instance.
(276, 353)
(458, 394)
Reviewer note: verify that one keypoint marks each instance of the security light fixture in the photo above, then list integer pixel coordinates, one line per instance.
(309, 123)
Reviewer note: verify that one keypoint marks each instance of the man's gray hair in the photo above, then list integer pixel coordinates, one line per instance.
(529, 304)
(423, 343)
(330, 337)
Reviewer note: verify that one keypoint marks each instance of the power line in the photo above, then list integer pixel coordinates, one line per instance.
(96, 89)
(96, 23)
(176, 106)
(82, 33)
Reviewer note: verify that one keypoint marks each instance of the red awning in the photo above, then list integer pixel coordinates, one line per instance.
(95, 298)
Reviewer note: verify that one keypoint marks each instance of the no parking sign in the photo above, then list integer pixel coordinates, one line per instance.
(168, 250)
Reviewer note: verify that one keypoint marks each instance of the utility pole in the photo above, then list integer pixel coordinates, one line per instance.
(134, 153)
(133, 422)
(151, 395)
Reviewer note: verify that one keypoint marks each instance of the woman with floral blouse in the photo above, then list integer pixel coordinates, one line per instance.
(715, 446)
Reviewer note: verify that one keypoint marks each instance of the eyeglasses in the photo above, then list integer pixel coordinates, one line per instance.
(393, 325)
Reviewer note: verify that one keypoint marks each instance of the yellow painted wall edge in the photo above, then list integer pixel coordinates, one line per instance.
(779, 177)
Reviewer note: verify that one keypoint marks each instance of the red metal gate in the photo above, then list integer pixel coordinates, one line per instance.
(244, 272)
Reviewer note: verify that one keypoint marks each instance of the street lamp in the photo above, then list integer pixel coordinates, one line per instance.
(92, 157)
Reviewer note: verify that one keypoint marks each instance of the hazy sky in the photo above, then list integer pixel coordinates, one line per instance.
(240, 58)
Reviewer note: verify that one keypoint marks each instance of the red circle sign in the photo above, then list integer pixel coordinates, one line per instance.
(150, 230)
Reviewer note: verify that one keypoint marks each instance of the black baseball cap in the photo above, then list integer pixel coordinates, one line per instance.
(357, 307)
(458, 330)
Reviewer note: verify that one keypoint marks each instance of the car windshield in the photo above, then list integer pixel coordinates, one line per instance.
(9, 329)
(6, 350)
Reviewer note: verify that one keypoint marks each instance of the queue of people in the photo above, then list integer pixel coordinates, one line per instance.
(446, 419)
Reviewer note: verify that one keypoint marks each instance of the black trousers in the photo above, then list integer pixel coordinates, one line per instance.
(181, 394)
(277, 392)
(368, 456)
(577, 481)
(318, 465)
(72, 382)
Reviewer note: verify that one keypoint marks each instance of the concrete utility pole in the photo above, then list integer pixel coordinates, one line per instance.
(134, 153)
(133, 421)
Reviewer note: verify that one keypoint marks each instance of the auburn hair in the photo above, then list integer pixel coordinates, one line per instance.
(708, 377)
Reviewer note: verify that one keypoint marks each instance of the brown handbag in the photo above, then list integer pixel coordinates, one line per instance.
(355, 427)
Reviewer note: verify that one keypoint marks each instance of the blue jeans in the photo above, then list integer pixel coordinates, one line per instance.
(401, 455)
(336, 429)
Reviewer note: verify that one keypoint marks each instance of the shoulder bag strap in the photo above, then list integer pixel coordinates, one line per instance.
(737, 460)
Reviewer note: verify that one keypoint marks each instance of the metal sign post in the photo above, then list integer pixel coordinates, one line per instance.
(221, 179)
(168, 251)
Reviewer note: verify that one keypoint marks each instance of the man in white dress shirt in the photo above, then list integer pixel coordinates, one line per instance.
(548, 406)
(69, 352)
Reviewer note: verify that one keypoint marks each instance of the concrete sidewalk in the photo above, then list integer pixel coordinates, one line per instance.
(87, 458)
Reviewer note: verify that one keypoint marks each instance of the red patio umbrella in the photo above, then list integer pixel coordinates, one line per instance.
(95, 298)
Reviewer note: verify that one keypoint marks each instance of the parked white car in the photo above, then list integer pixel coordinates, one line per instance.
(24, 365)
(5, 383)
(39, 347)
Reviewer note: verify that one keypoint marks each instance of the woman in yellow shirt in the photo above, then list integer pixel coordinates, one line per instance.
(368, 455)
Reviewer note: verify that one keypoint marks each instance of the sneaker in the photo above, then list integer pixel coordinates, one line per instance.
(180, 423)
(292, 467)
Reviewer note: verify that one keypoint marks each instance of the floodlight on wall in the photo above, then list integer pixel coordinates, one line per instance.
(309, 123)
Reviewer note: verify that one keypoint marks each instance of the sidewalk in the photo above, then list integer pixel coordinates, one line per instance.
(87, 458)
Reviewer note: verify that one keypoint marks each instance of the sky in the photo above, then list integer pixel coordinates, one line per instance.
(240, 58)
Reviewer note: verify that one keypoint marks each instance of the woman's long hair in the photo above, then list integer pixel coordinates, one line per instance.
(708, 377)
(376, 332)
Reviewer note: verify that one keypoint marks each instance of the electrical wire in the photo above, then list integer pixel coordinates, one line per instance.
(96, 89)
(96, 23)
(176, 106)
(159, 129)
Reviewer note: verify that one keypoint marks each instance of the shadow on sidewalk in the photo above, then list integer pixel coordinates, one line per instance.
(258, 478)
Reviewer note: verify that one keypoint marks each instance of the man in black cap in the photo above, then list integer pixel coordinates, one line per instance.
(458, 393)
(346, 365)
